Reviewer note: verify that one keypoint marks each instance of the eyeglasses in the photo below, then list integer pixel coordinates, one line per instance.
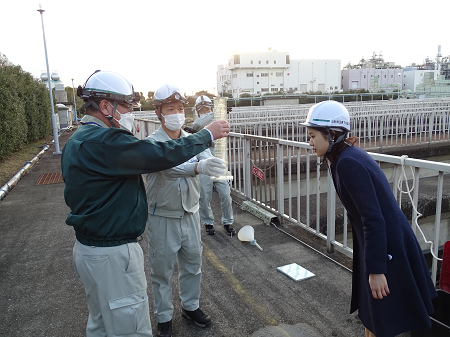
(126, 106)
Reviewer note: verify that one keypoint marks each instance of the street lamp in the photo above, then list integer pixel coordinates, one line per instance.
(55, 128)
(75, 104)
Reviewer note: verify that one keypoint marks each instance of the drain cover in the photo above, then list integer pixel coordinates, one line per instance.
(50, 178)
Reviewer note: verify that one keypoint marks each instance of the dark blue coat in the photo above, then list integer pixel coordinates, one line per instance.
(383, 243)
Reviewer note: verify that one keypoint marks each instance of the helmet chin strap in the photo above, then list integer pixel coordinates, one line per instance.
(333, 142)
(95, 105)
(110, 118)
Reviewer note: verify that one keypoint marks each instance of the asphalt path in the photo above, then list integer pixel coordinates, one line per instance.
(242, 290)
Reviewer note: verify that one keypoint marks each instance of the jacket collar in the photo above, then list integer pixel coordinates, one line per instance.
(92, 119)
(161, 134)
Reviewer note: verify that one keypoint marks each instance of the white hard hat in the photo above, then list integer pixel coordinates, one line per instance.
(329, 115)
(168, 93)
(110, 86)
(202, 101)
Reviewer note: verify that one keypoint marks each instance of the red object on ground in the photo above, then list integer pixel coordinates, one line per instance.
(444, 281)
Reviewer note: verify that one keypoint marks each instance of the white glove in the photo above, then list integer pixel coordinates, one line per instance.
(211, 167)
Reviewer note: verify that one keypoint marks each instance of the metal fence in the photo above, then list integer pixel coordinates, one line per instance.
(377, 125)
(285, 178)
(275, 168)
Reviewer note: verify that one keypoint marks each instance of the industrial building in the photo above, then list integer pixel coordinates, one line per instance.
(65, 114)
(372, 74)
(376, 75)
(412, 76)
(271, 72)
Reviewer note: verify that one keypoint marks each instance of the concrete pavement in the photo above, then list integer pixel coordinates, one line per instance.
(242, 290)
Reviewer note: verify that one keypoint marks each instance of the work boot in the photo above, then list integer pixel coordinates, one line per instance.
(230, 230)
(165, 329)
(209, 229)
(197, 316)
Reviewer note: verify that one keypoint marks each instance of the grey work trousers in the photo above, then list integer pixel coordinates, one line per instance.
(170, 239)
(223, 187)
(116, 289)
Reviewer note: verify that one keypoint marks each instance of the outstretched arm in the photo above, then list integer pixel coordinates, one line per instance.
(219, 129)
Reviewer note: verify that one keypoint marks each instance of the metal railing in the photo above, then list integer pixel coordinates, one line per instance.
(279, 176)
(377, 125)
(284, 177)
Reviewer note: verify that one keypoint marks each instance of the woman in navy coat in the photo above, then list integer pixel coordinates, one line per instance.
(391, 285)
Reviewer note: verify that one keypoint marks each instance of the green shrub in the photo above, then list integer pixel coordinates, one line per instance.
(25, 111)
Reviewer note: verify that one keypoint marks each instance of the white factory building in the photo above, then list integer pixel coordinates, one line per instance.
(413, 77)
(365, 78)
(259, 73)
(384, 79)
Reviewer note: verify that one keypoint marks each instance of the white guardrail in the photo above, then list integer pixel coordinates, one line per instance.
(274, 148)
(376, 124)
(276, 174)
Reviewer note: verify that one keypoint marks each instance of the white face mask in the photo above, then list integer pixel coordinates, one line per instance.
(174, 122)
(126, 120)
(203, 116)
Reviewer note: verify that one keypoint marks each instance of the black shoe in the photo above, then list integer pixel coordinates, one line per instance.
(230, 230)
(209, 229)
(165, 329)
(197, 316)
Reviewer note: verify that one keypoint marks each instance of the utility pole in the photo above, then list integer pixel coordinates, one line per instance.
(55, 127)
(75, 104)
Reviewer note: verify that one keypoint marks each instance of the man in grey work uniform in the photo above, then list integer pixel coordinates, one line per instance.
(203, 106)
(173, 224)
(101, 164)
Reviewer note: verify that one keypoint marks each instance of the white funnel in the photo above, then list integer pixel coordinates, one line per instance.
(247, 233)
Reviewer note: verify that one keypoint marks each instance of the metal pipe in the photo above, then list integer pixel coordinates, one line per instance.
(24, 170)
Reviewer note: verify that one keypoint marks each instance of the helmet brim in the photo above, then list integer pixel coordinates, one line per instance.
(175, 97)
(312, 125)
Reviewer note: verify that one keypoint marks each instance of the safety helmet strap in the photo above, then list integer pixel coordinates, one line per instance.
(333, 142)
(109, 117)
(93, 103)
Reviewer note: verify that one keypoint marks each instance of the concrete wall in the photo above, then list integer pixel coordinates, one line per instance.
(284, 101)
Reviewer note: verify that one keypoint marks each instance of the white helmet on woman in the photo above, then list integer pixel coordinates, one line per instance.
(330, 115)
(201, 102)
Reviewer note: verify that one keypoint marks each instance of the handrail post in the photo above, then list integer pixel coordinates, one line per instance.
(437, 224)
(247, 169)
(318, 195)
(331, 213)
(280, 179)
(431, 127)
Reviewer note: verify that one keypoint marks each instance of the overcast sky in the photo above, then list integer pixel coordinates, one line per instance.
(182, 42)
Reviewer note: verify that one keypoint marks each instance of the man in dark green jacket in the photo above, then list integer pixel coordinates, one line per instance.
(102, 165)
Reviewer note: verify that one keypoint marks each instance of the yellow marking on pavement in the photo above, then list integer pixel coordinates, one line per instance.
(248, 299)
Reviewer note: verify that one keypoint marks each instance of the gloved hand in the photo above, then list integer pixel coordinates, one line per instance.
(211, 167)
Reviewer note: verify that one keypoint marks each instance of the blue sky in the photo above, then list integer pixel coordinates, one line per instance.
(183, 42)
